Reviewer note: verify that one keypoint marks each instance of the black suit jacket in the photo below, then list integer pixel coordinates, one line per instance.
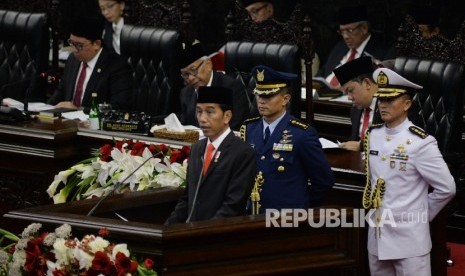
(108, 36)
(373, 48)
(188, 99)
(111, 79)
(225, 188)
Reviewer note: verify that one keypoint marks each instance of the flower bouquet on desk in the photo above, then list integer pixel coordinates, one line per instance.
(133, 166)
(59, 254)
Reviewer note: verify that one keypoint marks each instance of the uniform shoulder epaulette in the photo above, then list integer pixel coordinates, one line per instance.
(250, 120)
(299, 124)
(418, 131)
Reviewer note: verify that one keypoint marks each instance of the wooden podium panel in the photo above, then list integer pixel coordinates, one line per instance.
(231, 246)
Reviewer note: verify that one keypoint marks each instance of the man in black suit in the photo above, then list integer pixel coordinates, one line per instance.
(93, 68)
(357, 81)
(222, 167)
(197, 71)
(356, 41)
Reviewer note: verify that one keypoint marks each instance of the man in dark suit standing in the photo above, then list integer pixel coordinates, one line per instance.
(356, 80)
(93, 68)
(221, 169)
(197, 71)
(288, 152)
(356, 41)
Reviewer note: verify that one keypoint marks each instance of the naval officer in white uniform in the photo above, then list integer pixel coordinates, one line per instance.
(403, 162)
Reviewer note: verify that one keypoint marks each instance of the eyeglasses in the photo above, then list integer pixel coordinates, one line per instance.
(78, 45)
(108, 8)
(193, 71)
(348, 31)
(255, 11)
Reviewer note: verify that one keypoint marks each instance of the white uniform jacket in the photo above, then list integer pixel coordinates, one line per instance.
(409, 161)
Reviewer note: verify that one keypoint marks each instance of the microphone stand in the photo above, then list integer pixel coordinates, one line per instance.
(196, 190)
(118, 184)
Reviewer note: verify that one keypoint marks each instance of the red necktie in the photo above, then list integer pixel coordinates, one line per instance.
(80, 85)
(365, 123)
(334, 82)
(208, 158)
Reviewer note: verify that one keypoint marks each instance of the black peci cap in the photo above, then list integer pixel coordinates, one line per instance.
(215, 94)
(354, 69)
(191, 54)
(90, 27)
(352, 14)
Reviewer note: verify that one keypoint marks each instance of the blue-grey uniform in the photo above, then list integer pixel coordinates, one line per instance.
(291, 157)
(403, 161)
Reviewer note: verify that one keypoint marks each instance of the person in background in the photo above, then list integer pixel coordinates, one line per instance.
(288, 152)
(356, 79)
(221, 170)
(357, 41)
(427, 19)
(406, 176)
(92, 68)
(197, 71)
(113, 11)
(258, 11)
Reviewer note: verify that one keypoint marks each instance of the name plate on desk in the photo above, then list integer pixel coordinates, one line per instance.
(134, 122)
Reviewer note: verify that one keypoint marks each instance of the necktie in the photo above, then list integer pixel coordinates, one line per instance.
(208, 158)
(334, 82)
(80, 86)
(366, 121)
(267, 135)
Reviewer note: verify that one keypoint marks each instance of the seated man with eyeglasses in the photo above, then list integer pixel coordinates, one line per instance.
(197, 71)
(258, 11)
(357, 41)
(92, 68)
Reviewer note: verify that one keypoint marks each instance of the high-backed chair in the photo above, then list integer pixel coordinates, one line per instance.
(241, 57)
(154, 56)
(24, 51)
(440, 101)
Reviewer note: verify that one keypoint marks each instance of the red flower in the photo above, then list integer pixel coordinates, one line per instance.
(175, 156)
(103, 232)
(105, 153)
(124, 265)
(101, 264)
(148, 263)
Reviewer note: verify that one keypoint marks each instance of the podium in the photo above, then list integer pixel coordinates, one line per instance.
(240, 245)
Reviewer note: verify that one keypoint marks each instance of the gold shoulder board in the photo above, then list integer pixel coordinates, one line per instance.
(418, 131)
(299, 124)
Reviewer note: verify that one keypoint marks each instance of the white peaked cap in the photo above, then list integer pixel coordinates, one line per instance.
(391, 84)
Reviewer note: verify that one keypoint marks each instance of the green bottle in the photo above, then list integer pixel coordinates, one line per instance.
(94, 114)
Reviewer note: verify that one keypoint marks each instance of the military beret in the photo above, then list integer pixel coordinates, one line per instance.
(215, 94)
(391, 84)
(354, 69)
(352, 14)
(270, 81)
(90, 27)
(191, 53)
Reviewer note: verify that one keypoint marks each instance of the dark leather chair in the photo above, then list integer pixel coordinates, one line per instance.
(440, 101)
(24, 52)
(241, 57)
(154, 56)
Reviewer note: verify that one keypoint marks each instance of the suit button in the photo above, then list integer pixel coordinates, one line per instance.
(263, 157)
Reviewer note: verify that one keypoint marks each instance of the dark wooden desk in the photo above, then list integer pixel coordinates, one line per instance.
(35, 151)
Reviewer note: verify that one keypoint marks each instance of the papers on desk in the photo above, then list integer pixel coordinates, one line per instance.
(75, 115)
(32, 106)
(327, 144)
(342, 99)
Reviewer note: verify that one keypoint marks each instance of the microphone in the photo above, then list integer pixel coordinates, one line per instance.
(118, 184)
(31, 79)
(196, 190)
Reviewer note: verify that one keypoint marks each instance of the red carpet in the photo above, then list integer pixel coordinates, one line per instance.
(458, 256)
